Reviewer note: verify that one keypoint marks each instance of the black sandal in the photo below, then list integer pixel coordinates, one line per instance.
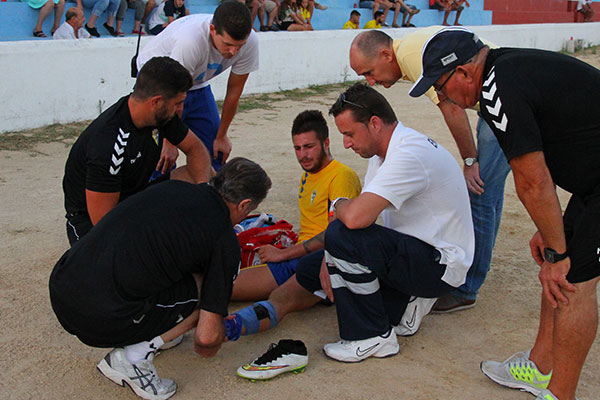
(39, 34)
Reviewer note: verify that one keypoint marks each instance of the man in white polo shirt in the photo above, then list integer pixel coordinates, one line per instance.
(207, 45)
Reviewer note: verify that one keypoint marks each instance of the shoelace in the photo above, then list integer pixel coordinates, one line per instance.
(275, 351)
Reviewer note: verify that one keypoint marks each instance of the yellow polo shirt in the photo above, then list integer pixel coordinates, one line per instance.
(409, 55)
(372, 25)
(350, 25)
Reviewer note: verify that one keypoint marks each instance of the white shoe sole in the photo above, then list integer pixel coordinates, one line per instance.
(511, 384)
(265, 375)
(123, 380)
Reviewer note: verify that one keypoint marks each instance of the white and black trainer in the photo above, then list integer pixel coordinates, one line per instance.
(141, 377)
(286, 356)
(357, 350)
(417, 308)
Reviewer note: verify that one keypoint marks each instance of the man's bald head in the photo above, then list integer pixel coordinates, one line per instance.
(369, 43)
(73, 12)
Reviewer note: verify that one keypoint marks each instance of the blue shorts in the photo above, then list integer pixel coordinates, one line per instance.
(282, 271)
(201, 115)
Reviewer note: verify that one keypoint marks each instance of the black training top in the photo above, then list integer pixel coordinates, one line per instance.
(537, 100)
(172, 11)
(145, 245)
(112, 155)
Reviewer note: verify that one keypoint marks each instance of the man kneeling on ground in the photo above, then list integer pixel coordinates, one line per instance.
(158, 265)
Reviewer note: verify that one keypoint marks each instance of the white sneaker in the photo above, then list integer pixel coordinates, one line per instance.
(141, 377)
(417, 308)
(173, 343)
(286, 356)
(321, 6)
(547, 395)
(517, 372)
(354, 351)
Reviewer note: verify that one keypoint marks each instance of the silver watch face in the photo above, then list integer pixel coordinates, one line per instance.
(470, 161)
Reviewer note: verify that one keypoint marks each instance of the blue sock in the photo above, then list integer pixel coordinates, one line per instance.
(233, 328)
(250, 316)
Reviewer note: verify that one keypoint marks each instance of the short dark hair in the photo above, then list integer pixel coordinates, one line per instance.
(364, 102)
(234, 18)
(162, 76)
(353, 13)
(241, 179)
(311, 120)
(371, 41)
(377, 14)
(71, 12)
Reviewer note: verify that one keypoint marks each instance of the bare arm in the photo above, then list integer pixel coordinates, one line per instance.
(458, 122)
(361, 211)
(270, 253)
(98, 204)
(235, 86)
(209, 334)
(198, 168)
(536, 191)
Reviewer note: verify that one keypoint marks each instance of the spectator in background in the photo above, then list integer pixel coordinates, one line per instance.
(272, 9)
(166, 13)
(449, 5)
(407, 10)
(291, 19)
(353, 21)
(98, 7)
(139, 6)
(46, 7)
(303, 7)
(72, 28)
(385, 5)
(585, 7)
(376, 22)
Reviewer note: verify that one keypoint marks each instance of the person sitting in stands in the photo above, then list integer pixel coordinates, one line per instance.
(46, 7)
(98, 7)
(72, 28)
(290, 17)
(166, 13)
(303, 7)
(449, 5)
(376, 22)
(585, 7)
(139, 6)
(353, 21)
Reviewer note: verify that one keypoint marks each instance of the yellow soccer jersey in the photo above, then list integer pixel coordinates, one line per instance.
(372, 25)
(316, 193)
(305, 14)
(350, 25)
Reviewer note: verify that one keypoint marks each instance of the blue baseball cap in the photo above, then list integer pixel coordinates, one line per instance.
(443, 52)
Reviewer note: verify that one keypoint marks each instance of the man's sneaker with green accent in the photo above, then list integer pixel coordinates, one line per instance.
(517, 372)
(286, 356)
(547, 395)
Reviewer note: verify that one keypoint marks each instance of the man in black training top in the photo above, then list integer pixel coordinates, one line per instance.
(116, 154)
(544, 110)
(160, 264)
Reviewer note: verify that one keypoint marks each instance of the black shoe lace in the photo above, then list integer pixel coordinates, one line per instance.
(275, 351)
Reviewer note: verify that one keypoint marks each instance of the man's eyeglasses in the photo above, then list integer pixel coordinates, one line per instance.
(439, 88)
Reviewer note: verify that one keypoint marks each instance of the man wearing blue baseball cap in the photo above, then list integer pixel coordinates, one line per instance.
(549, 139)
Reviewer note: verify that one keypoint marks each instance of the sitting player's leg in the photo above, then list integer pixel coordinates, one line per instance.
(257, 282)
(287, 298)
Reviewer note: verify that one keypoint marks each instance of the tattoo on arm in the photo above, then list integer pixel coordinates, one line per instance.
(318, 238)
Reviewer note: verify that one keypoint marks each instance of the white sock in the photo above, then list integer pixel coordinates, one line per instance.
(139, 351)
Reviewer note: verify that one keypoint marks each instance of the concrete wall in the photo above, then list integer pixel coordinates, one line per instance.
(46, 82)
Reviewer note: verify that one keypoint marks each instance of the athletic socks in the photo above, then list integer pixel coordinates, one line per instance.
(139, 351)
(249, 318)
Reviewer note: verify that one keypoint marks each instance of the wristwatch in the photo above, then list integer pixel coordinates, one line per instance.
(469, 161)
(552, 256)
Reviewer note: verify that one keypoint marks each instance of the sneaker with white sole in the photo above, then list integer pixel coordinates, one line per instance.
(417, 308)
(357, 350)
(517, 372)
(547, 395)
(141, 377)
(286, 356)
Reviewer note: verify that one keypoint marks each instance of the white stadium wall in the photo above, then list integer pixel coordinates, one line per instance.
(48, 82)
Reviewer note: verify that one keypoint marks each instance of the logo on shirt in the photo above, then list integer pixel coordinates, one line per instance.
(302, 183)
(119, 149)
(155, 136)
(488, 92)
(312, 196)
(433, 142)
(136, 157)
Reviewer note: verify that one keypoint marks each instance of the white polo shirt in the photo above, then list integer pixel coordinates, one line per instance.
(428, 196)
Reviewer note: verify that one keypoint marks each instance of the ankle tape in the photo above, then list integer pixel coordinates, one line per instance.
(251, 316)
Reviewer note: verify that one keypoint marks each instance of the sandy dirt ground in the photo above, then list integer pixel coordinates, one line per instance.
(39, 360)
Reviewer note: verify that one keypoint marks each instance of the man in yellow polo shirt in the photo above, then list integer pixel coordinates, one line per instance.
(324, 180)
(353, 21)
(383, 60)
(376, 22)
